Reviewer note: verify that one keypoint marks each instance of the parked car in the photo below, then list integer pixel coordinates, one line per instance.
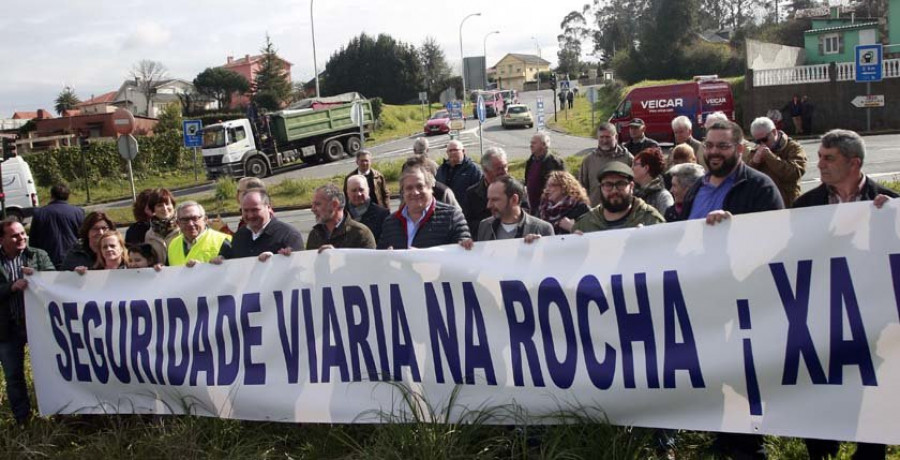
(438, 123)
(517, 115)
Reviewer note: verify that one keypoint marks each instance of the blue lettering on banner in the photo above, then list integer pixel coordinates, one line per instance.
(379, 334)
(290, 339)
(227, 313)
(521, 333)
(561, 372)
(635, 327)
(856, 350)
(332, 355)
(442, 330)
(358, 333)
(200, 348)
(404, 353)
(796, 308)
(478, 356)
(254, 373)
(601, 373)
(678, 356)
(179, 328)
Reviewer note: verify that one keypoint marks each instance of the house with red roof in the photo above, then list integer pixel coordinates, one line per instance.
(248, 66)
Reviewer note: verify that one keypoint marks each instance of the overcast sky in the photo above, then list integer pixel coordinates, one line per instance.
(92, 44)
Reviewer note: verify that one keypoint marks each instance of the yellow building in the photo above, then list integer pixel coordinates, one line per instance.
(515, 69)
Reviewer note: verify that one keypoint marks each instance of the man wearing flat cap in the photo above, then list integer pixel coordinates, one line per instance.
(618, 208)
(638, 141)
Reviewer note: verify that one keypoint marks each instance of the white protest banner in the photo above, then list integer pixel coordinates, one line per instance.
(779, 323)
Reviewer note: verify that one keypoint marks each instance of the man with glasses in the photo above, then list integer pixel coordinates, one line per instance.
(17, 260)
(730, 187)
(618, 208)
(778, 156)
(458, 171)
(197, 242)
(608, 150)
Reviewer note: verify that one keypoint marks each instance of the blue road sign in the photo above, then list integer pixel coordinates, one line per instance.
(455, 109)
(193, 133)
(868, 63)
(540, 113)
(479, 109)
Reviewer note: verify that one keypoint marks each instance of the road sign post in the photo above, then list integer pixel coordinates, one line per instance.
(128, 150)
(540, 113)
(479, 109)
(869, 68)
(193, 139)
(592, 98)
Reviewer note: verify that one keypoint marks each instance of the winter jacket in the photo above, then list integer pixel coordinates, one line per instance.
(655, 194)
(378, 190)
(348, 234)
(819, 195)
(752, 191)
(785, 166)
(528, 225)
(459, 177)
(641, 214)
(34, 258)
(442, 224)
(54, 228)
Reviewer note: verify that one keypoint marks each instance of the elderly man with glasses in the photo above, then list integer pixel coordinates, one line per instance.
(197, 242)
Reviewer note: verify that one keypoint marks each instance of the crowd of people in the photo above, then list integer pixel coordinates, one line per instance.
(460, 201)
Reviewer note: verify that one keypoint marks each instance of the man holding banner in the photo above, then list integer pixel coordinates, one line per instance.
(841, 156)
(17, 260)
(263, 235)
(196, 242)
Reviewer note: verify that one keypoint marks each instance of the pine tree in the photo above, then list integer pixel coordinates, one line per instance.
(272, 87)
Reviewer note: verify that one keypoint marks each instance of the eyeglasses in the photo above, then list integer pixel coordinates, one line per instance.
(762, 140)
(190, 219)
(718, 146)
(102, 229)
(620, 185)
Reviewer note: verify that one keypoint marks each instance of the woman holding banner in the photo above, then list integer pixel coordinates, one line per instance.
(111, 255)
(85, 251)
(564, 201)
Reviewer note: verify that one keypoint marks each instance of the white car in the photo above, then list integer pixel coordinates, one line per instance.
(517, 115)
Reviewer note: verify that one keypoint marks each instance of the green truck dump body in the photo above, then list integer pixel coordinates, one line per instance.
(293, 125)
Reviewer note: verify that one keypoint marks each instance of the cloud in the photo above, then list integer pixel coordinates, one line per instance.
(148, 35)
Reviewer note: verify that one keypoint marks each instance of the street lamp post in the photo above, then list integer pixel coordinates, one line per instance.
(539, 55)
(463, 56)
(484, 45)
(312, 25)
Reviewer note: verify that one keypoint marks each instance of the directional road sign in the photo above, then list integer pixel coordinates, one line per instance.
(868, 63)
(872, 100)
(193, 133)
(540, 113)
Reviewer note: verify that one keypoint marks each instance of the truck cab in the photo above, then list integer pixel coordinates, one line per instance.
(229, 148)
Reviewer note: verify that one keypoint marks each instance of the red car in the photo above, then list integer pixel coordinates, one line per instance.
(439, 123)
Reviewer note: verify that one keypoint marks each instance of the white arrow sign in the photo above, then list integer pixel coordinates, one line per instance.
(872, 100)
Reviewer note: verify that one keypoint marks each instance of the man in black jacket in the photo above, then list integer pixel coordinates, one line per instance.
(730, 187)
(458, 171)
(54, 227)
(495, 165)
(841, 156)
(361, 208)
(539, 166)
(638, 141)
(263, 235)
(422, 221)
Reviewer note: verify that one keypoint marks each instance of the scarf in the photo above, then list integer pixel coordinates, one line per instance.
(553, 212)
(162, 227)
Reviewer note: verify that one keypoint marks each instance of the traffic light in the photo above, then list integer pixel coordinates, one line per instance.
(9, 147)
(553, 81)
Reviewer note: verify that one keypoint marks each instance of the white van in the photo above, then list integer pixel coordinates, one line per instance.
(18, 187)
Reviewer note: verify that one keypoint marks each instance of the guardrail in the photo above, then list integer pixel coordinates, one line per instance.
(818, 73)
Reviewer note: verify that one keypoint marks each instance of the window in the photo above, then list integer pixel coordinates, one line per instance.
(833, 44)
(239, 134)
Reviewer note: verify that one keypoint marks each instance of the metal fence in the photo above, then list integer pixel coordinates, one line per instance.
(818, 73)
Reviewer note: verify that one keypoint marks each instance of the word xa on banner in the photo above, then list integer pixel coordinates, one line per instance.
(783, 323)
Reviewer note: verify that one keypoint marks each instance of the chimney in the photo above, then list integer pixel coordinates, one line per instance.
(230, 59)
(247, 57)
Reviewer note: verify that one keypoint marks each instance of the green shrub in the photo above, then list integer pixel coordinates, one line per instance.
(377, 107)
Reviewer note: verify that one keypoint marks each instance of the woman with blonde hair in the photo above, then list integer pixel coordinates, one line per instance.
(112, 254)
(564, 200)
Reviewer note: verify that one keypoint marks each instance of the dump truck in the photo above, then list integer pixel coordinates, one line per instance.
(311, 130)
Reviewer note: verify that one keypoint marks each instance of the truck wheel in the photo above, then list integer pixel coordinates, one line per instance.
(256, 167)
(333, 150)
(353, 144)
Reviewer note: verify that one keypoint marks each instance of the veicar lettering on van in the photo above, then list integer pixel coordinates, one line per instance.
(662, 103)
(715, 101)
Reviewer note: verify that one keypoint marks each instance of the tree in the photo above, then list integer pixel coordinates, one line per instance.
(219, 84)
(169, 119)
(67, 100)
(663, 43)
(147, 75)
(435, 69)
(272, 88)
(574, 28)
(380, 67)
